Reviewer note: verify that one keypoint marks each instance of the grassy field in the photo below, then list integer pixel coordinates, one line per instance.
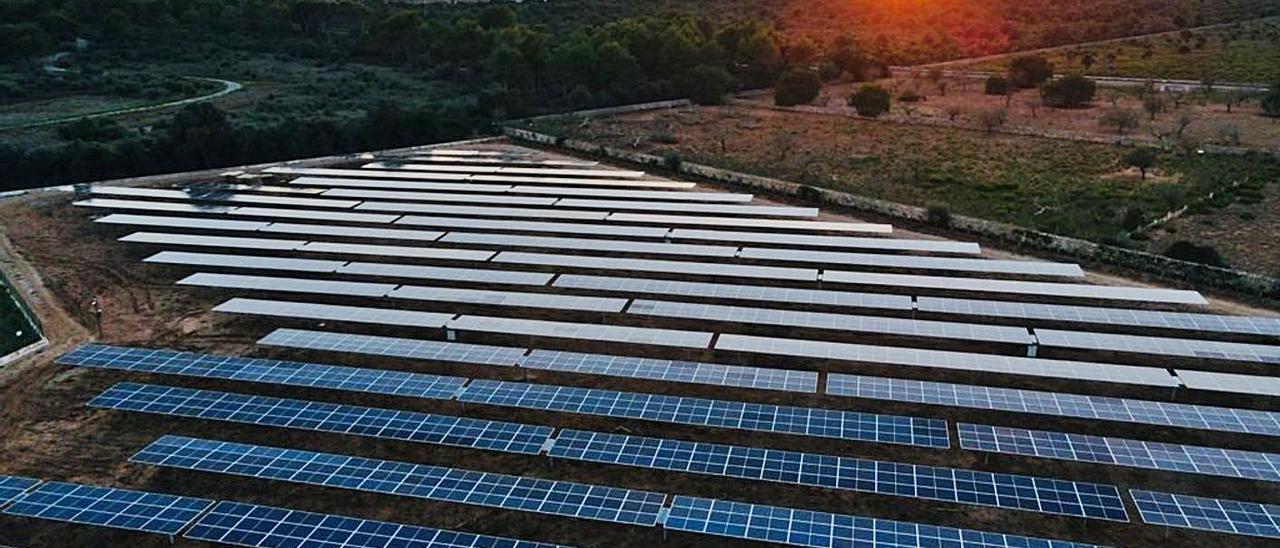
(1069, 188)
(1244, 52)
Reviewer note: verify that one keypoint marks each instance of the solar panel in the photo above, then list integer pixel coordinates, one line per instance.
(913, 263)
(11, 487)
(434, 159)
(648, 265)
(220, 196)
(508, 298)
(255, 187)
(334, 418)
(243, 261)
(804, 421)
(1043, 289)
(310, 214)
(474, 275)
(394, 347)
(1165, 346)
(566, 181)
(1079, 406)
(481, 211)
(1248, 325)
(365, 173)
(401, 185)
(1207, 514)
(291, 285)
(535, 226)
(784, 239)
(238, 524)
(258, 370)
(440, 197)
(584, 331)
(109, 507)
(547, 171)
(353, 232)
(396, 251)
(837, 322)
(591, 244)
(779, 525)
(330, 312)
(107, 203)
(180, 222)
(789, 295)
(473, 153)
(721, 197)
(158, 238)
(1189, 459)
(941, 359)
(458, 485)
(954, 485)
(1229, 382)
(786, 380)
(752, 223)
(716, 209)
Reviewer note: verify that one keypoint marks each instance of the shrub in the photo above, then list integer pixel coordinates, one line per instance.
(1133, 218)
(706, 84)
(1270, 102)
(911, 96)
(1028, 71)
(1071, 91)
(1187, 251)
(870, 101)
(672, 160)
(937, 214)
(1142, 158)
(797, 87)
(997, 85)
(1123, 119)
(990, 120)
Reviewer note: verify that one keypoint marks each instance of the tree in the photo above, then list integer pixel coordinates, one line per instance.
(997, 85)
(1142, 158)
(706, 84)
(402, 35)
(498, 17)
(953, 112)
(797, 87)
(1270, 102)
(1029, 71)
(1153, 104)
(1072, 91)
(870, 101)
(1122, 119)
(1234, 98)
(23, 41)
(1187, 251)
(992, 119)
(1033, 104)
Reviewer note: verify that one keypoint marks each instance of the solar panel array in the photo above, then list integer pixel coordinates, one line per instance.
(457, 197)
(880, 260)
(779, 525)
(476, 275)
(591, 244)
(11, 487)
(1228, 382)
(787, 380)
(458, 485)
(1208, 514)
(1123, 452)
(310, 375)
(721, 197)
(109, 507)
(811, 240)
(1020, 287)
(670, 267)
(805, 421)
(735, 292)
(715, 209)
(535, 226)
(321, 184)
(393, 347)
(779, 224)
(583, 331)
(1156, 319)
(837, 322)
(483, 211)
(882, 477)
(314, 311)
(1167, 346)
(509, 298)
(1078, 406)
(325, 417)
(288, 285)
(941, 359)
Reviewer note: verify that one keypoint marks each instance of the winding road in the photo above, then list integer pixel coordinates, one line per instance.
(228, 87)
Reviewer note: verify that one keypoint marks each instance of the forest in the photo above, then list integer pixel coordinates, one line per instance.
(329, 76)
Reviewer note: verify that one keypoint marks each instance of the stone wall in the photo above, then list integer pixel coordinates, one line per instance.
(1004, 235)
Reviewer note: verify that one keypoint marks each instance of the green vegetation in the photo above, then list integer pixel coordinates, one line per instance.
(870, 101)
(1071, 91)
(16, 330)
(797, 87)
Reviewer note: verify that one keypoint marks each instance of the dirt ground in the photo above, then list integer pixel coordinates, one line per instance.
(62, 261)
(1240, 232)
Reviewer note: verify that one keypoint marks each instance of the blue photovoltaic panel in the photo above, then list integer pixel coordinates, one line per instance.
(109, 507)
(1122, 452)
(787, 380)
(559, 498)
(1035, 494)
(12, 486)
(394, 347)
(1206, 514)
(805, 421)
(311, 375)
(778, 525)
(1159, 319)
(326, 417)
(256, 526)
(1079, 406)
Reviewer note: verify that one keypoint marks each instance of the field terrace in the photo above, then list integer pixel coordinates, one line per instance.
(495, 341)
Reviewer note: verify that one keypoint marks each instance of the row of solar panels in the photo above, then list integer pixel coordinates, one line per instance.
(1016, 441)
(418, 176)
(510, 170)
(832, 472)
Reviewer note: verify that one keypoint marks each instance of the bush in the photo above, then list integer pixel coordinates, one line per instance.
(870, 101)
(706, 84)
(1123, 119)
(937, 214)
(797, 87)
(1071, 91)
(997, 85)
(911, 96)
(1270, 102)
(1028, 71)
(1187, 251)
(1142, 158)
(672, 161)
